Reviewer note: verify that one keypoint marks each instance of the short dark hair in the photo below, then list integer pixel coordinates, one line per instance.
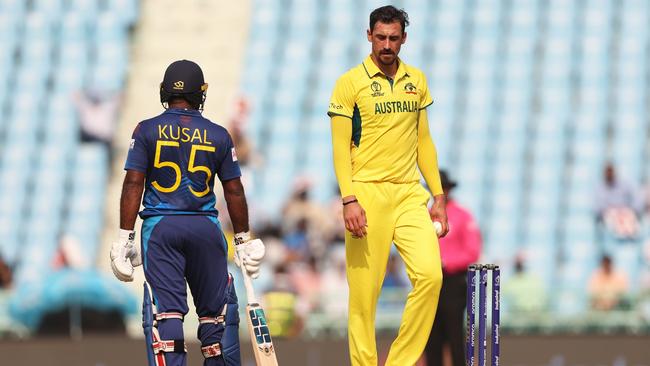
(389, 14)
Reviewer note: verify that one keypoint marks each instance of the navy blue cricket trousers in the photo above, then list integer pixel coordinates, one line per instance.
(180, 248)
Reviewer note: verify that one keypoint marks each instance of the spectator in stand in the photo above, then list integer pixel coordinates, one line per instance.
(460, 248)
(524, 292)
(237, 128)
(97, 111)
(306, 279)
(5, 275)
(69, 254)
(618, 206)
(607, 286)
(645, 194)
(335, 286)
(297, 242)
(336, 234)
(300, 207)
(5, 293)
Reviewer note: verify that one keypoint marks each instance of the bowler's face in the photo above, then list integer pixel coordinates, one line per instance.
(386, 39)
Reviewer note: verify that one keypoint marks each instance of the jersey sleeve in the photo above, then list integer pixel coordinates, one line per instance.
(342, 101)
(137, 158)
(425, 97)
(228, 166)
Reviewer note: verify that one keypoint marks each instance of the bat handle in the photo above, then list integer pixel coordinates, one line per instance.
(248, 284)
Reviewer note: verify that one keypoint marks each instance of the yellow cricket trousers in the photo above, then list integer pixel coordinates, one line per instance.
(395, 213)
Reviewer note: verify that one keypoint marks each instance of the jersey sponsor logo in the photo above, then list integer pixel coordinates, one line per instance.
(396, 106)
(234, 154)
(336, 106)
(183, 134)
(376, 89)
(179, 85)
(132, 144)
(409, 88)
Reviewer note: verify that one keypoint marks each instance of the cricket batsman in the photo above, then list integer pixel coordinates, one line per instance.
(380, 137)
(174, 158)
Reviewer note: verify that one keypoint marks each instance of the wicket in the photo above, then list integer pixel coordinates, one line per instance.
(481, 288)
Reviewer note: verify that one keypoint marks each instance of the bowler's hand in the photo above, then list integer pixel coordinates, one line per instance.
(354, 217)
(438, 212)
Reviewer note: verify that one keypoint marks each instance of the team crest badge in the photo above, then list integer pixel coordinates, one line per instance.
(409, 88)
(179, 85)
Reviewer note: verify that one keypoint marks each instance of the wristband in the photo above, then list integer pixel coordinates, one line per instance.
(347, 203)
(127, 235)
(241, 238)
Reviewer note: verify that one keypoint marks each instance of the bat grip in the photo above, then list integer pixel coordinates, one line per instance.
(248, 284)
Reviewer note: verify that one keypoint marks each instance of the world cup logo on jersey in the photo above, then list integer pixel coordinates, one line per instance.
(376, 89)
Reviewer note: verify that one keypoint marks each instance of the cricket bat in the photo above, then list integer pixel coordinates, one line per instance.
(259, 331)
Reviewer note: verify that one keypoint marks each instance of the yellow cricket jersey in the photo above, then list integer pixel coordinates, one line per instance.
(384, 116)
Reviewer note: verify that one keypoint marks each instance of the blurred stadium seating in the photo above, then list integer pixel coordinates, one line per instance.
(51, 184)
(531, 97)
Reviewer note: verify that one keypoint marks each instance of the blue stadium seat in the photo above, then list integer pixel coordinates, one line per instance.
(8, 34)
(33, 77)
(267, 17)
(561, 17)
(128, 11)
(540, 232)
(570, 301)
(113, 53)
(49, 8)
(16, 8)
(627, 257)
(21, 131)
(69, 79)
(87, 8)
(304, 24)
(413, 53)
(108, 77)
(108, 28)
(37, 26)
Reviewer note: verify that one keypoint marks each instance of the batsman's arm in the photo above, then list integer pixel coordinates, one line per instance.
(233, 193)
(132, 189)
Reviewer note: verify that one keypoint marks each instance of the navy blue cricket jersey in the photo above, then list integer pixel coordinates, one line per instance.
(181, 153)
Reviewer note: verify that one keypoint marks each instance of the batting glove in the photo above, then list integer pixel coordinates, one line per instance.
(124, 256)
(249, 253)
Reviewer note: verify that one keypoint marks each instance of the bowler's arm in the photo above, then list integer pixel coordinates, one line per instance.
(428, 165)
(354, 215)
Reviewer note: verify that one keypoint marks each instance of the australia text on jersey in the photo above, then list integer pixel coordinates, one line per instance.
(183, 134)
(396, 107)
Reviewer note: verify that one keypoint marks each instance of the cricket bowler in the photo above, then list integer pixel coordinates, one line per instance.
(380, 137)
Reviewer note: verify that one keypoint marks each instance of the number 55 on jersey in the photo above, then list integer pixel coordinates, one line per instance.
(183, 153)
